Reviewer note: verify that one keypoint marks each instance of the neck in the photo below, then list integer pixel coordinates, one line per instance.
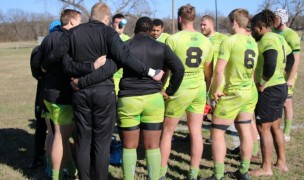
(241, 31)
(211, 33)
(188, 27)
(281, 28)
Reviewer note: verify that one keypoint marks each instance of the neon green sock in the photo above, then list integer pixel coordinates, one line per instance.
(71, 167)
(55, 174)
(255, 149)
(219, 169)
(129, 158)
(287, 126)
(163, 171)
(244, 166)
(193, 173)
(153, 163)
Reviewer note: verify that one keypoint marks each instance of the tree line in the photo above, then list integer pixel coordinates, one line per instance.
(19, 25)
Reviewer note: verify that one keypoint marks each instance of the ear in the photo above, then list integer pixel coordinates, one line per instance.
(179, 19)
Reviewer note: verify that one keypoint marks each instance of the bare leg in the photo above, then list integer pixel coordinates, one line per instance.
(279, 146)
(194, 122)
(266, 147)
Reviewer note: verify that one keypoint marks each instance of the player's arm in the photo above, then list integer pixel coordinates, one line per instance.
(101, 74)
(77, 69)
(208, 67)
(177, 70)
(219, 71)
(294, 69)
(120, 53)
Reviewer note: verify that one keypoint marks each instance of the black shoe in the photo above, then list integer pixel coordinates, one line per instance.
(212, 178)
(238, 175)
(36, 163)
(236, 150)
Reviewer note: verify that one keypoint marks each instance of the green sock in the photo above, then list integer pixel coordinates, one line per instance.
(287, 126)
(193, 173)
(219, 169)
(71, 167)
(55, 174)
(255, 149)
(129, 158)
(163, 171)
(153, 163)
(244, 166)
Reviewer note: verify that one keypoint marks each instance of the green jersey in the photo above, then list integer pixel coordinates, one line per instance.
(274, 41)
(163, 37)
(216, 40)
(241, 53)
(292, 39)
(194, 49)
(124, 37)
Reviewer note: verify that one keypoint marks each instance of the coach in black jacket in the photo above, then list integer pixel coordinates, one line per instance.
(95, 106)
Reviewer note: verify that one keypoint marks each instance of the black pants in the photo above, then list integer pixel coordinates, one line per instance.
(95, 115)
(40, 132)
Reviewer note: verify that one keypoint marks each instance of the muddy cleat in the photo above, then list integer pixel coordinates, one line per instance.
(238, 175)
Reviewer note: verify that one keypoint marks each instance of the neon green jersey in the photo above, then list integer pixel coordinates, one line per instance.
(216, 40)
(292, 39)
(163, 37)
(124, 37)
(194, 49)
(274, 41)
(241, 53)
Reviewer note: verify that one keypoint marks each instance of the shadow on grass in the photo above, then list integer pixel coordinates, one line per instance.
(17, 148)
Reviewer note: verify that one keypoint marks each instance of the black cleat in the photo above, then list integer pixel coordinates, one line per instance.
(212, 178)
(36, 163)
(238, 175)
(236, 150)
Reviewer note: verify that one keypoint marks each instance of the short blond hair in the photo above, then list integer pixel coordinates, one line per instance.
(99, 11)
(240, 16)
(187, 12)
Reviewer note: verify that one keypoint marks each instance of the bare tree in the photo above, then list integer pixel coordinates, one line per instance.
(295, 8)
(120, 6)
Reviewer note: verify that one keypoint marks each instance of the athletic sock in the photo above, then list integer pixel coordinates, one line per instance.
(244, 166)
(55, 174)
(255, 149)
(153, 158)
(193, 173)
(163, 171)
(287, 126)
(219, 169)
(129, 158)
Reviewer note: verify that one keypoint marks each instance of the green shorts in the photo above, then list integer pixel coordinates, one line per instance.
(236, 101)
(134, 110)
(190, 100)
(60, 114)
(116, 77)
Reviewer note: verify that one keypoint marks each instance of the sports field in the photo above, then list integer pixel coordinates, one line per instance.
(17, 95)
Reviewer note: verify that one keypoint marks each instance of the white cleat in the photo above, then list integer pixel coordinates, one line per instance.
(287, 138)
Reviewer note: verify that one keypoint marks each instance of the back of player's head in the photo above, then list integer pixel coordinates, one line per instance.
(187, 12)
(99, 11)
(118, 16)
(158, 22)
(208, 17)
(54, 26)
(143, 24)
(240, 16)
(264, 18)
(67, 14)
(282, 13)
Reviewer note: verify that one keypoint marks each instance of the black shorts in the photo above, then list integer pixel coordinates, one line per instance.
(270, 103)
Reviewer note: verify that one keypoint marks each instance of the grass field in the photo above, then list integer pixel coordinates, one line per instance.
(17, 93)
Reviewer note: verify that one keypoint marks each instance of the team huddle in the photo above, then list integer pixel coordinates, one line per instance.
(94, 76)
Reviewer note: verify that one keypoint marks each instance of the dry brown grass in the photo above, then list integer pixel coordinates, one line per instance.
(17, 93)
